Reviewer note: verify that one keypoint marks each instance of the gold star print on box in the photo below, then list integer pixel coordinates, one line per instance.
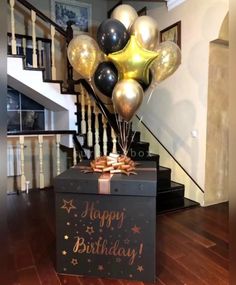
(140, 268)
(68, 205)
(133, 61)
(90, 230)
(100, 267)
(74, 261)
(136, 230)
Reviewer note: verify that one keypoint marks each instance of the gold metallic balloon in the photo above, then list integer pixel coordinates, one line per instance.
(84, 55)
(133, 61)
(167, 62)
(146, 32)
(126, 14)
(127, 97)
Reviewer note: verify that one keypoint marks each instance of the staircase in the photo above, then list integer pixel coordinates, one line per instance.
(83, 114)
(170, 194)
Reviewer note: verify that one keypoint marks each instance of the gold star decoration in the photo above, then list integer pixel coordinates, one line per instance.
(66, 237)
(133, 61)
(64, 252)
(136, 230)
(140, 268)
(68, 205)
(90, 230)
(74, 261)
(100, 267)
(126, 241)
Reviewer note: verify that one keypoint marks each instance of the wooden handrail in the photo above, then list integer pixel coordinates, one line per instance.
(20, 36)
(38, 132)
(43, 17)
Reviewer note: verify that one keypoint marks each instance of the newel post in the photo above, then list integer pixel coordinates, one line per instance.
(69, 37)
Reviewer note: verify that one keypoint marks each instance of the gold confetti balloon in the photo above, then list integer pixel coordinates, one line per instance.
(84, 55)
(146, 32)
(133, 61)
(127, 97)
(167, 62)
(126, 14)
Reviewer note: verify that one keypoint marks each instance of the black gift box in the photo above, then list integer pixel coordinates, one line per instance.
(106, 224)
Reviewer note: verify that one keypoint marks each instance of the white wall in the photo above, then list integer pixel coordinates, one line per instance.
(179, 104)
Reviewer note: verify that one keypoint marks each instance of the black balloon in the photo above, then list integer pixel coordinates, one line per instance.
(106, 77)
(112, 36)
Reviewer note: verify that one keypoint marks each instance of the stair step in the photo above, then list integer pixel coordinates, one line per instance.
(163, 177)
(34, 68)
(175, 205)
(53, 81)
(16, 55)
(173, 193)
(173, 185)
(139, 150)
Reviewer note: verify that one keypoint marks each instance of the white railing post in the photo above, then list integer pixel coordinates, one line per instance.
(13, 37)
(40, 48)
(114, 141)
(53, 52)
(33, 19)
(74, 156)
(58, 140)
(24, 49)
(97, 152)
(89, 133)
(41, 173)
(22, 163)
(104, 122)
(83, 122)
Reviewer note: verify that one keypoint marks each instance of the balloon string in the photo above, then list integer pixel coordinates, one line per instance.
(150, 95)
(120, 136)
(132, 139)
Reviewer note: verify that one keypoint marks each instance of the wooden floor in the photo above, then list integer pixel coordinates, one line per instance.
(192, 245)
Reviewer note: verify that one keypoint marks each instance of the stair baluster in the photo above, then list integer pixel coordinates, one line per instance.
(33, 19)
(41, 173)
(53, 52)
(13, 38)
(74, 156)
(58, 139)
(114, 141)
(40, 48)
(22, 163)
(83, 122)
(105, 139)
(97, 152)
(24, 49)
(89, 133)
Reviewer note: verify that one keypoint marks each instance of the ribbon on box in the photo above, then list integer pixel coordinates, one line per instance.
(114, 163)
(104, 183)
(110, 165)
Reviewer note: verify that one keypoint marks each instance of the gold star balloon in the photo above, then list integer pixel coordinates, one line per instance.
(133, 61)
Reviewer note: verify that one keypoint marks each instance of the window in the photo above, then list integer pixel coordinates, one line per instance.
(24, 114)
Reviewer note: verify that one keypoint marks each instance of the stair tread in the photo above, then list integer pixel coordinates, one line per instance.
(16, 55)
(173, 185)
(53, 81)
(34, 68)
(163, 168)
(179, 205)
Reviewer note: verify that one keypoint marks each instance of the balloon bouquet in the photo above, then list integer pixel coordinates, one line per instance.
(125, 62)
